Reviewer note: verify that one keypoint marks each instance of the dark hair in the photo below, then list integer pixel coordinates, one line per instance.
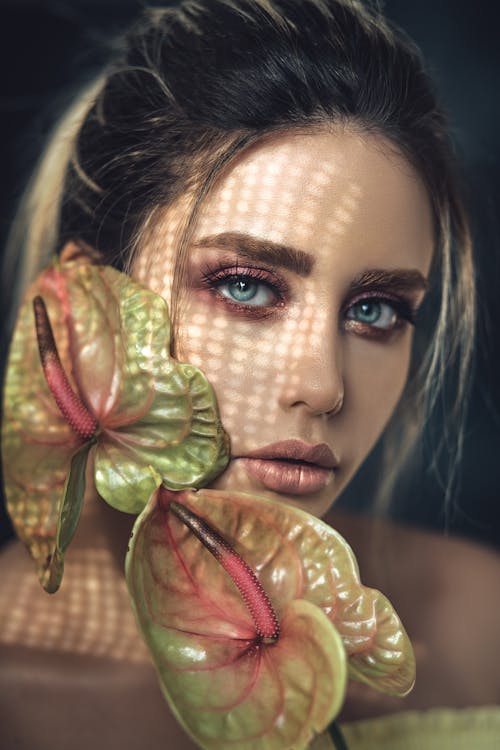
(192, 77)
(197, 83)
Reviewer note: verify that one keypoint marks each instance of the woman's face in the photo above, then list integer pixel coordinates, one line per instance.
(308, 263)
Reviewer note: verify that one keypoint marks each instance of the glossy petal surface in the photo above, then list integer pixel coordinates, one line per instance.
(157, 419)
(298, 556)
(380, 651)
(199, 629)
(37, 442)
(226, 687)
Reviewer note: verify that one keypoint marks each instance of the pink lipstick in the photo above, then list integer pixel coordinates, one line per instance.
(292, 466)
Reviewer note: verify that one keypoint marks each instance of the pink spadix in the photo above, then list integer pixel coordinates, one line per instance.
(70, 404)
(249, 586)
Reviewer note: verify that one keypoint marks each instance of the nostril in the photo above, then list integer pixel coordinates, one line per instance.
(338, 406)
(316, 383)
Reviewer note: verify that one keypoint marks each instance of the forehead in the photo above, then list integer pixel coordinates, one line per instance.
(315, 189)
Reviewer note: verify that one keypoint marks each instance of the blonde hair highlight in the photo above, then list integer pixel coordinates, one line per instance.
(33, 238)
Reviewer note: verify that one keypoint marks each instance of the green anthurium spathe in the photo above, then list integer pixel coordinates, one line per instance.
(89, 377)
(255, 615)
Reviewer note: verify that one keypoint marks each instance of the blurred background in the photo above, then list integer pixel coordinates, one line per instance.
(48, 48)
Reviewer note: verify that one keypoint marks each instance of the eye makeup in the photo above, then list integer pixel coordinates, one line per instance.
(403, 306)
(254, 291)
(401, 311)
(250, 291)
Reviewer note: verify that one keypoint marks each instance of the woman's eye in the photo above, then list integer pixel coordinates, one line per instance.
(247, 291)
(373, 312)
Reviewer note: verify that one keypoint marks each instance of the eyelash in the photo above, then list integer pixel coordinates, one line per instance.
(403, 308)
(214, 279)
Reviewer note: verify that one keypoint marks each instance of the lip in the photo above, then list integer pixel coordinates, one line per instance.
(297, 450)
(292, 466)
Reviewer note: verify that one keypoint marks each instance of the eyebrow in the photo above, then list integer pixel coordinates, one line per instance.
(302, 263)
(398, 280)
(254, 248)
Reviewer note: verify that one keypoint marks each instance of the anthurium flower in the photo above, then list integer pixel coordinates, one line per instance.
(255, 615)
(90, 379)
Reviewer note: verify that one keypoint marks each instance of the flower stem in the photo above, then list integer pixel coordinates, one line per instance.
(249, 586)
(70, 404)
(337, 736)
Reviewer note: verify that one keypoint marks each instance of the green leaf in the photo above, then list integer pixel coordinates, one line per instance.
(69, 515)
(73, 498)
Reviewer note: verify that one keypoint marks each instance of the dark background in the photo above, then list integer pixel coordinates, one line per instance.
(49, 47)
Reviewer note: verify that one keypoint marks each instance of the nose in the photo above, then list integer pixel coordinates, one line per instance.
(314, 379)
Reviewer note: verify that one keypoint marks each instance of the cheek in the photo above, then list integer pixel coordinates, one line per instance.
(375, 379)
(239, 361)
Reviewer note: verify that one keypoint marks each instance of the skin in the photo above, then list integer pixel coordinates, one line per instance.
(353, 204)
(295, 364)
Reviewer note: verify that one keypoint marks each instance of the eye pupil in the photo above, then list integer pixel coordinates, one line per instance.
(242, 290)
(369, 312)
